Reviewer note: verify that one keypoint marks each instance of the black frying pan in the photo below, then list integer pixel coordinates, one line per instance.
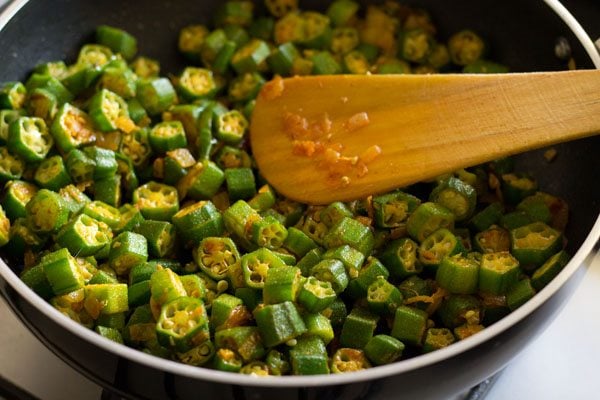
(521, 34)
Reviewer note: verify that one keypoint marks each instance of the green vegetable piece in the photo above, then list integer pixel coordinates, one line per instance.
(16, 196)
(485, 67)
(392, 209)
(409, 325)
(35, 278)
(183, 324)
(437, 338)
(6, 117)
(11, 166)
(533, 244)
(227, 360)
(355, 62)
(400, 258)
(487, 217)
(52, 174)
(344, 40)
(465, 47)
(348, 360)
(109, 333)
(351, 258)
(240, 183)
(256, 265)
(351, 232)
(333, 271)
(457, 196)
(458, 274)
(250, 56)
(120, 80)
(23, 238)
(457, 310)
(221, 309)
(492, 240)
(215, 256)
(108, 190)
(42, 104)
(62, 272)
(342, 12)
(325, 64)
(393, 66)
(72, 128)
(548, 271)
(245, 87)
(498, 272)
(231, 127)
(316, 295)
(383, 349)
(191, 39)
(310, 259)
(84, 236)
(196, 83)
(203, 181)
(264, 199)
(165, 285)
(358, 328)
(160, 236)
(309, 357)
(234, 13)
(428, 218)
(106, 299)
(383, 297)
(139, 293)
(4, 228)
(279, 323)
(414, 45)
(51, 84)
(238, 216)
(12, 95)
(108, 111)
(516, 187)
(47, 212)
(167, 136)
(156, 201)
(136, 147)
(519, 294)
(298, 242)
(105, 162)
(127, 249)
(155, 95)
(282, 284)
(198, 221)
(438, 245)
(117, 40)
(369, 272)
(28, 137)
(104, 213)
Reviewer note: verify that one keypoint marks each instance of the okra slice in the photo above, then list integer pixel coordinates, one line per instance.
(117, 40)
(439, 56)
(457, 310)
(109, 333)
(165, 285)
(438, 245)
(457, 196)
(84, 235)
(136, 146)
(121, 81)
(348, 360)
(4, 228)
(196, 83)
(428, 218)
(370, 271)
(106, 299)
(342, 12)
(47, 212)
(29, 138)
(277, 362)
(126, 250)
(23, 238)
(309, 357)
(35, 278)
(278, 323)
(160, 236)
(183, 324)
(316, 295)
(11, 165)
(437, 338)
(222, 309)
(249, 57)
(465, 47)
(492, 240)
(533, 244)
(351, 258)
(52, 174)
(62, 272)
(109, 112)
(383, 297)
(243, 340)
(167, 136)
(103, 212)
(414, 45)
(264, 199)
(72, 128)
(6, 117)
(51, 84)
(199, 355)
(198, 221)
(234, 13)
(105, 162)
(383, 349)
(332, 271)
(498, 272)
(227, 360)
(355, 62)
(487, 217)
(202, 181)
(400, 258)
(392, 209)
(351, 232)
(519, 294)
(190, 41)
(155, 94)
(516, 187)
(215, 256)
(256, 265)
(42, 104)
(392, 66)
(548, 271)
(16, 196)
(485, 67)
(231, 127)
(282, 284)
(358, 328)
(409, 325)
(156, 201)
(245, 87)
(12, 95)
(268, 232)
(458, 274)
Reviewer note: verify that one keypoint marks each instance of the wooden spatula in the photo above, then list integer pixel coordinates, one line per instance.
(325, 138)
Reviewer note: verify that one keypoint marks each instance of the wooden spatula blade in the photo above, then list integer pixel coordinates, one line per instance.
(424, 126)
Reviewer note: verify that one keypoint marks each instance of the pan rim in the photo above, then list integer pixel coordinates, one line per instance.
(323, 380)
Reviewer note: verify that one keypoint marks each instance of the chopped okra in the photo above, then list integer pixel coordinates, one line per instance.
(131, 198)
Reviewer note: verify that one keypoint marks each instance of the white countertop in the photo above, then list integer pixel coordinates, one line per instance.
(561, 364)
